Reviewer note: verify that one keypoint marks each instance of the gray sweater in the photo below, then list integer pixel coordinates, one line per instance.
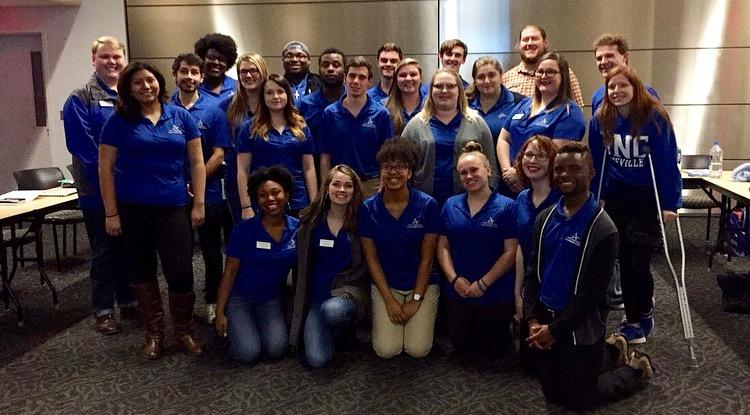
(472, 128)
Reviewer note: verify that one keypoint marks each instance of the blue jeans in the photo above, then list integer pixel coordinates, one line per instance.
(322, 319)
(255, 328)
(110, 280)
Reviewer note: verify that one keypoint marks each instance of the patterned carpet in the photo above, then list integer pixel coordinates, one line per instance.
(58, 364)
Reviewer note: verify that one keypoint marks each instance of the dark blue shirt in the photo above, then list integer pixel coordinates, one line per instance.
(564, 122)
(399, 241)
(230, 154)
(284, 149)
(376, 93)
(228, 88)
(496, 116)
(527, 213)
(598, 97)
(476, 243)
(299, 90)
(563, 242)
(214, 128)
(150, 165)
(84, 114)
(355, 140)
(405, 115)
(311, 107)
(627, 162)
(264, 263)
(445, 144)
(331, 255)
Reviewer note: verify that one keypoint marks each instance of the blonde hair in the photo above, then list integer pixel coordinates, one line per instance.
(238, 106)
(110, 41)
(395, 103)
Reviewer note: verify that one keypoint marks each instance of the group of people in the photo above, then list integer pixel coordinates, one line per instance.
(376, 200)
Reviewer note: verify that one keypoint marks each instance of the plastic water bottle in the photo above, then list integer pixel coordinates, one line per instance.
(717, 161)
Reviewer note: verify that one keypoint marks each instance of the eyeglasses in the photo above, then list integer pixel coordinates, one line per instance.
(397, 167)
(447, 87)
(210, 57)
(249, 71)
(300, 56)
(549, 72)
(539, 156)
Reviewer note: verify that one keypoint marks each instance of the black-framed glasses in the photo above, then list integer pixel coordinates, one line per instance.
(448, 87)
(539, 156)
(397, 167)
(549, 72)
(300, 56)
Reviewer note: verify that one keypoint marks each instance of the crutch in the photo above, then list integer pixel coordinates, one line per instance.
(682, 298)
(617, 284)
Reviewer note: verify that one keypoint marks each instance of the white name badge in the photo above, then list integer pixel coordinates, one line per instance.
(263, 245)
(106, 104)
(326, 243)
(518, 116)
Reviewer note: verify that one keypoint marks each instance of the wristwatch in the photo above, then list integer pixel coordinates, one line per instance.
(418, 297)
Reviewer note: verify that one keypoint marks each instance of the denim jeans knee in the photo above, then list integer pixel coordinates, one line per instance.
(338, 312)
(255, 328)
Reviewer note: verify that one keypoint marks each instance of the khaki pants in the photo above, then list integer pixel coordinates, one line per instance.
(370, 186)
(415, 337)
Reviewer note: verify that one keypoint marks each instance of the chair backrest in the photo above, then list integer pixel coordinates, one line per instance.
(695, 161)
(38, 179)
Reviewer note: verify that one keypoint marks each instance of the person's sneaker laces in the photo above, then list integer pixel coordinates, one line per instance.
(641, 361)
(633, 334)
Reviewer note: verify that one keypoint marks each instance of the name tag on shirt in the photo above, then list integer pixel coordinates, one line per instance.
(263, 245)
(326, 243)
(106, 104)
(517, 116)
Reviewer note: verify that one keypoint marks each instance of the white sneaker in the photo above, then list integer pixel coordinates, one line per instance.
(210, 313)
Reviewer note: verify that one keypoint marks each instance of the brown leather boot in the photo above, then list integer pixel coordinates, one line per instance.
(149, 302)
(181, 309)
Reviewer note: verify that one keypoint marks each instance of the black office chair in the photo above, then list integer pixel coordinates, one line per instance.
(698, 200)
(46, 178)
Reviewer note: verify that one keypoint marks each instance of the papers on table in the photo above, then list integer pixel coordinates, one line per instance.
(18, 196)
(696, 172)
(58, 191)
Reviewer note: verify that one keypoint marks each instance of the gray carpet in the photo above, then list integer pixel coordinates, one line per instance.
(58, 364)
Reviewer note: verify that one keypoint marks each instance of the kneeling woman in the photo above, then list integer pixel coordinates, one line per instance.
(331, 289)
(399, 227)
(260, 254)
(477, 250)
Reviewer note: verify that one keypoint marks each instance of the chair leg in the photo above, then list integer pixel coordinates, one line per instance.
(65, 240)
(57, 247)
(75, 238)
(42, 273)
(4, 276)
(708, 226)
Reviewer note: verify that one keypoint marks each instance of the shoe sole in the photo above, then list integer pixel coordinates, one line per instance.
(637, 340)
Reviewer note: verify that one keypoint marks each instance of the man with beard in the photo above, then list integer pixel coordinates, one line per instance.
(573, 256)
(214, 127)
(389, 55)
(218, 53)
(532, 45)
(295, 56)
(84, 114)
(331, 69)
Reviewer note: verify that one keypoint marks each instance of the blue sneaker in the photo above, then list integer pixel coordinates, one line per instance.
(633, 334)
(647, 325)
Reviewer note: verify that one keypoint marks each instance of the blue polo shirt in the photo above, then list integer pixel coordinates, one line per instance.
(527, 213)
(565, 121)
(376, 93)
(230, 154)
(214, 128)
(264, 262)
(284, 149)
(399, 241)
(84, 114)
(477, 242)
(496, 116)
(331, 255)
(563, 242)
(355, 140)
(228, 88)
(405, 115)
(150, 166)
(445, 148)
(598, 97)
(299, 90)
(311, 107)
